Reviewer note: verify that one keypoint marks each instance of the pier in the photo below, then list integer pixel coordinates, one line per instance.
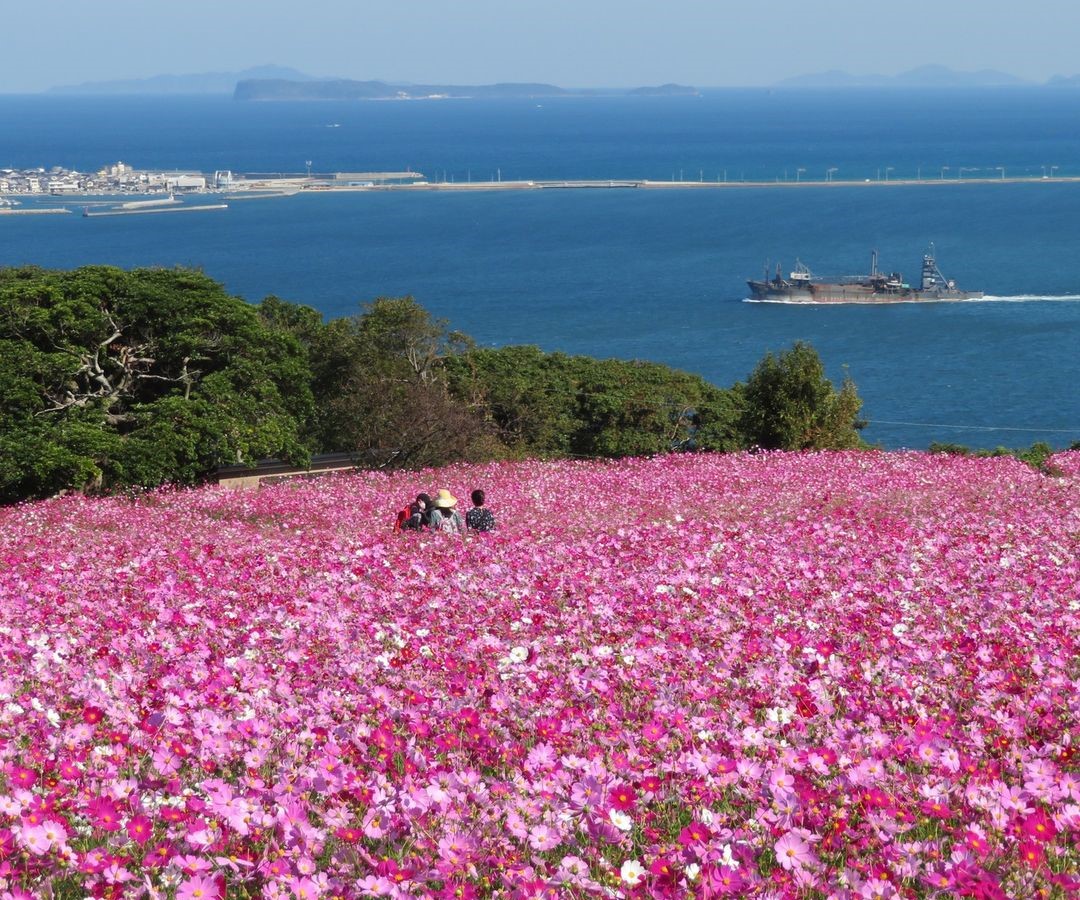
(144, 211)
(647, 184)
(49, 210)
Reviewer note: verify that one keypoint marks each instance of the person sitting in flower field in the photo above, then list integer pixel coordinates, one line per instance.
(479, 518)
(444, 517)
(414, 517)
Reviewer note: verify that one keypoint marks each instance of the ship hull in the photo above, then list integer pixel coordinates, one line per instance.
(765, 292)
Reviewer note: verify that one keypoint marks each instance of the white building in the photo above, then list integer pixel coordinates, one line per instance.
(186, 182)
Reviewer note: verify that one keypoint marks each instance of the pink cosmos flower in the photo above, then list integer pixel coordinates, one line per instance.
(36, 840)
(104, 814)
(723, 881)
(976, 842)
(651, 784)
(91, 715)
(694, 833)
(198, 887)
(160, 855)
(302, 888)
(935, 809)
(664, 871)
(792, 852)
(543, 837)
(1038, 826)
(781, 782)
(1032, 853)
(140, 829)
(55, 833)
(654, 730)
(23, 777)
(877, 889)
(622, 797)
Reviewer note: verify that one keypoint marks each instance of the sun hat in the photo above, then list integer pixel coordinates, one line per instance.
(445, 500)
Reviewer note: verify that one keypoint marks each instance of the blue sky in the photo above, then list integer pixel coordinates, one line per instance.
(573, 43)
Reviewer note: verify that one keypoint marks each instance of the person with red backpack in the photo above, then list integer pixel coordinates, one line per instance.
(414, 517)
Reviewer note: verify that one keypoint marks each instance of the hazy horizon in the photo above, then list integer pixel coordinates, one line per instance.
(606, 43)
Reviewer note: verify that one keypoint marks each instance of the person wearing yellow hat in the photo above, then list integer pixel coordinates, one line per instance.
(444, 516)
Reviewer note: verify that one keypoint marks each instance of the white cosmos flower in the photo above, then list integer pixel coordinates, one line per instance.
(621, 820)
(519, 654)
(632, 872)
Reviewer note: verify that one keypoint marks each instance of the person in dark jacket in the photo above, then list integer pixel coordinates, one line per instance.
(479, 518)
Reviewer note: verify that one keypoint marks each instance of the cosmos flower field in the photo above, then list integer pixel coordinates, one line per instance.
(835, 675)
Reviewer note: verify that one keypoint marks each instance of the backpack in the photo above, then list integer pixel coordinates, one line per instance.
(408, 520)
(448, 524)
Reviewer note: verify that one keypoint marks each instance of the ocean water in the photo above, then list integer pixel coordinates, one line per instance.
(648, 274)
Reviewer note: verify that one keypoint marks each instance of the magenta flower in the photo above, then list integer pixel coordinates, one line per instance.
(1038, 826)
(104, 814)
(140, 829)
(22, 777)
(91, 715)
(622, 797)
(654, 730)
(694, 833)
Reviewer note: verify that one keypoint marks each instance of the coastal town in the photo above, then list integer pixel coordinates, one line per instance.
(39, 190)
(118, 178)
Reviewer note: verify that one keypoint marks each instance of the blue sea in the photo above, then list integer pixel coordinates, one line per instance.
(645, 274)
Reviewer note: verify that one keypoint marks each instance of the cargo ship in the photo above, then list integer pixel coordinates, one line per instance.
(801, 286)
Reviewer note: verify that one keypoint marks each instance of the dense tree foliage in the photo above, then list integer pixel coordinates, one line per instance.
(551, 404)
(381, 385)
(111, 379)
(1037, 456)
(789, 404)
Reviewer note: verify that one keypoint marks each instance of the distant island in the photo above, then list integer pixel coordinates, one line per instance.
(198, 83)
(273, 82)
(346, 89)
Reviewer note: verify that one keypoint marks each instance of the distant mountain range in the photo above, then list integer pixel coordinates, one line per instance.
(201, 83)
(922, 77)
(345, 89)
(271, 82)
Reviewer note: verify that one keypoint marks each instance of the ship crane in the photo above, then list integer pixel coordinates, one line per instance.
(932, 277)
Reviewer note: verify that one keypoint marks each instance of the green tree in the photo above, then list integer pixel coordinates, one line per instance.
(555, 405)
(384, 393)
(789, 404)
(111, 378)
(526, 395)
